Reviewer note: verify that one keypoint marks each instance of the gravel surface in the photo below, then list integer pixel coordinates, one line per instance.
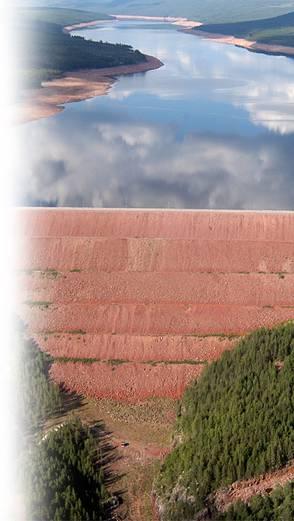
(139, 287)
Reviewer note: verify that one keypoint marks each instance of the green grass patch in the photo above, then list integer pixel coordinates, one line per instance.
(221, 336)
(68, 359)
(83, 360)
(119, 361)
(116, 362)
(176, 362)
(38, 303)
(75, 332)
(50, 273)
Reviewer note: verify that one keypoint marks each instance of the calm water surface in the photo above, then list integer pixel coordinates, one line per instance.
(213, 128)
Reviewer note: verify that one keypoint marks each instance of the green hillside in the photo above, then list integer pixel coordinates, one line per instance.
(64, 473)
(203, 10)
(278, 30)
(65, 478)
(46, 51)
(234, 423)
(34, 381)
(61, 16)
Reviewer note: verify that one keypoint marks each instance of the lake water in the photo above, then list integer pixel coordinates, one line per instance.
(213, 128)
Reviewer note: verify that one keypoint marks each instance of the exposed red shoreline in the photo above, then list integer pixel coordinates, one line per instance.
(189, 26)
(253, 46)
(84, 84)
(180, 21)
(72, 87)
(84, 25)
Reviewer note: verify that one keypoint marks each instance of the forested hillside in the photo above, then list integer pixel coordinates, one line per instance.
(234, 423)
(278, 30)
(34, 382)
(61, 470)
(65, 477)
(46, 51)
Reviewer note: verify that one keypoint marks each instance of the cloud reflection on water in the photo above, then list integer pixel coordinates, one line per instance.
(136, 165)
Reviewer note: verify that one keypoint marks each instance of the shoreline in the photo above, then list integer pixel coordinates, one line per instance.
(84, 25)
(74, 86)
(179, 21)
(189, 27)
(252, 46)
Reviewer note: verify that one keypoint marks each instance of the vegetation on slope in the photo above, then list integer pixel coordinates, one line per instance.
(65, 478)
(277, 506)
(234, 423)
(63, 470)
(278, 30)
(46, 51)
(39, 398)
(211, 11)
(61, 16)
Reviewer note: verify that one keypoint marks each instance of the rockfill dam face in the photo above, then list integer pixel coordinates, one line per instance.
(133, 304)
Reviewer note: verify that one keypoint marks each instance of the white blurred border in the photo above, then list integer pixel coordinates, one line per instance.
(8, 494)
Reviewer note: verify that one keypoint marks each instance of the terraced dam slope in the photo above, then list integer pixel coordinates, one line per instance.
(133, 303)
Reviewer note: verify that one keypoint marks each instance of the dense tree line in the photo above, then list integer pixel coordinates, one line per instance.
(65, 477)
(234, 423)
(39, 398)
(62, 466)
(46, 51)
(278, 506)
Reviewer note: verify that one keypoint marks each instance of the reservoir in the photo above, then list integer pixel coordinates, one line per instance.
(213, 128)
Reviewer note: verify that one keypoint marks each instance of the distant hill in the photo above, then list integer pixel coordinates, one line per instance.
(278, 30)
(211, 11)
(235, 422)
(61, 16)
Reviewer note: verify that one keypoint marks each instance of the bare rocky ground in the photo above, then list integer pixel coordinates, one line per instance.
(140, 436)
(260, 485)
